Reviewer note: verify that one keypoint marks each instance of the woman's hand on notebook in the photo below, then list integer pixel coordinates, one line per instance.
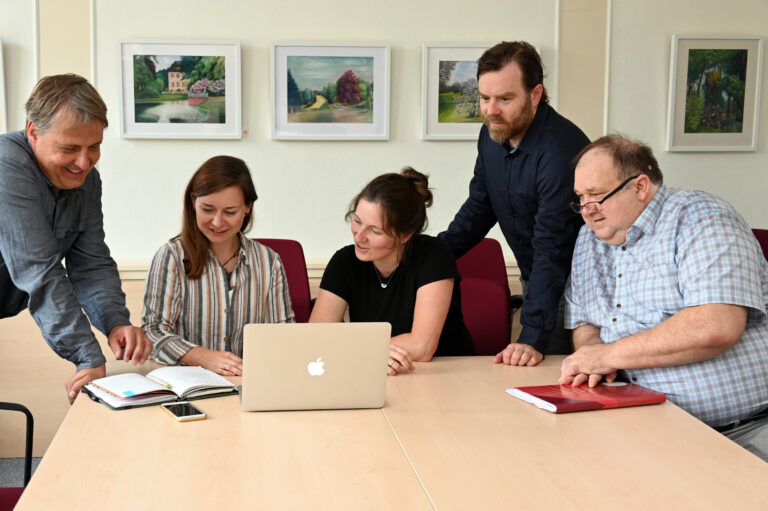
(224, 363)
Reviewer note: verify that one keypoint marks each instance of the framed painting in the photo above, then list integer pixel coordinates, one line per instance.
(3, 109)
(330, 91)
(450, 103)
(714, 93)
(180, 89)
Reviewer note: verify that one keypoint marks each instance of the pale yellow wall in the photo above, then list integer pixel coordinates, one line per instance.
(18, 30)
(639, 83)
(65, 37)
(328, 173)
(582, 63)
(304, 187)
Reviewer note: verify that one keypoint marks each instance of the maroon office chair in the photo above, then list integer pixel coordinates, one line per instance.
(485, 300)
(762, 237)
(10, 496)
(295, 265)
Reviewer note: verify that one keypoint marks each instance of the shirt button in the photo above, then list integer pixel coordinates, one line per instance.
(623, 249)
(618, 306)
(620, 275)
(614, 320)
(226, 311)
(226, 337)
(634, 379)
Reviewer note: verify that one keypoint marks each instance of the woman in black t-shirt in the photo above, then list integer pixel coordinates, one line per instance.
(395, 274)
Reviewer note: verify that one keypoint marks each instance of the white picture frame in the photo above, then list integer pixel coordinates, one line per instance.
(301, 111)
(195, 92)
(710, 106)
(460, 118)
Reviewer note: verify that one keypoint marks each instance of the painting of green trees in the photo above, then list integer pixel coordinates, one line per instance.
(324, 89)
(714, 101)
(457, 87)
(179, 89)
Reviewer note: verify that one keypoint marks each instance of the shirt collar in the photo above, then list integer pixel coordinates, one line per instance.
(241, 256)
(646, 222)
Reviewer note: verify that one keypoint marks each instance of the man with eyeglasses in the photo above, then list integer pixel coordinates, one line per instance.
(668, 289)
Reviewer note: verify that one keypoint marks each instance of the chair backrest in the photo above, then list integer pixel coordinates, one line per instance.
(485, 300)
(487, 314)
(762, 237)
(295, 265)
(484, 261)
(10, 496)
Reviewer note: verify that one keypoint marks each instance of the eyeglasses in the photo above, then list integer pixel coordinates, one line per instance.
(578, 207)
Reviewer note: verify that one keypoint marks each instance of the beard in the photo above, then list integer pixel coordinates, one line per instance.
(514, 126)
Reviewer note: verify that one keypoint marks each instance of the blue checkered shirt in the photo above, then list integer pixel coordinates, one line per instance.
(687, 248)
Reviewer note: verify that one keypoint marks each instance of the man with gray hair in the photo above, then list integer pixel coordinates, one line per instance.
(50, 202)
(669, 290)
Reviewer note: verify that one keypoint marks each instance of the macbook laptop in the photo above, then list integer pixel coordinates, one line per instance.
(314, 366)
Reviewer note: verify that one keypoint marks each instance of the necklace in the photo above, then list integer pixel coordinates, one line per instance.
(233, 256)
(385, 284)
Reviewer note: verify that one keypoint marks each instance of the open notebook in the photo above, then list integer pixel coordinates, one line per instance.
(173, 383)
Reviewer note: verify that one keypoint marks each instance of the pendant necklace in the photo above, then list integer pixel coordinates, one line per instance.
(385, 284)
(233, 256)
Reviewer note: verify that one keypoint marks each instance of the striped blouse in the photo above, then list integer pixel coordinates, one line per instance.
(181, 313)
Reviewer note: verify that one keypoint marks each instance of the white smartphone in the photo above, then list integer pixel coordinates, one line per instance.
(184, 411)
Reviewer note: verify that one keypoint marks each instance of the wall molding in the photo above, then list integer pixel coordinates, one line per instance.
(135, 270)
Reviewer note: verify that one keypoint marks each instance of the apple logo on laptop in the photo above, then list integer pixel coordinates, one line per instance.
(316, 368)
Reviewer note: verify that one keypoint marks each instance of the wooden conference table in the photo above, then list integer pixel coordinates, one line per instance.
(449, 437)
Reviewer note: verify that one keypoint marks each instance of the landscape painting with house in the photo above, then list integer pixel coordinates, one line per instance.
(179, 89)
(458, 101)
(714, 101)
(330, 89)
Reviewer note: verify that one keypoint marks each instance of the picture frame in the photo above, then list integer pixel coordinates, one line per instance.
(450, 104)
(180, 89)
(329, 91)
(714, 93)
(3, 108)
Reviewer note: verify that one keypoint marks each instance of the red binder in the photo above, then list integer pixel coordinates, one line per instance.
(564, 398)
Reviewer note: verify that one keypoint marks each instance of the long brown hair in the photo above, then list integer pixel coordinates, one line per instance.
(215, 174)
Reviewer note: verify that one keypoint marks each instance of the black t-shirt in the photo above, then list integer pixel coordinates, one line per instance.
(427, 261)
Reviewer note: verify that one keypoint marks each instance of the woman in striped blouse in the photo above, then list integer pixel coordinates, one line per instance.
(207, 283)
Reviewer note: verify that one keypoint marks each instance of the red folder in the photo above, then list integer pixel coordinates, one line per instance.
(564, 398)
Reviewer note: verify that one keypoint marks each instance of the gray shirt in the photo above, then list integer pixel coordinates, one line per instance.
(41, 225)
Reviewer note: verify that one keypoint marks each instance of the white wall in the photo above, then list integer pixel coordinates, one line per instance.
(641, 35)
(304, 187)
(18, 30)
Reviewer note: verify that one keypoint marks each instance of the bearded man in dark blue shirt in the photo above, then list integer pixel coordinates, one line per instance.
(524, 181)
(50, 207)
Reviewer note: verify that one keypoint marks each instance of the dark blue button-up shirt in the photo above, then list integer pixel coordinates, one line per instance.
(41, 225)
(527, 191)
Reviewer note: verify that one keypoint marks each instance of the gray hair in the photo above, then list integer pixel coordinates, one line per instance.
(67, 92)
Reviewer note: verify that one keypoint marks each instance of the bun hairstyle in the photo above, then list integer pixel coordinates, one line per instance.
(403, 198)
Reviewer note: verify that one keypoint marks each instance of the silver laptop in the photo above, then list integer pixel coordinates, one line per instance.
(314, 366)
